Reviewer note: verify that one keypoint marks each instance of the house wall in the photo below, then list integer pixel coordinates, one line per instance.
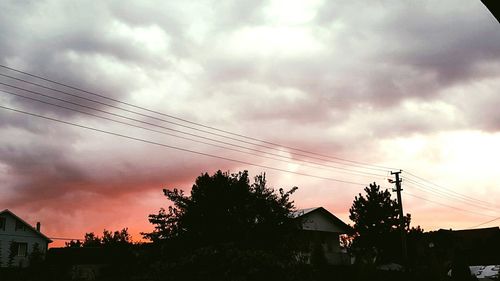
(28, 236)
(319, 232)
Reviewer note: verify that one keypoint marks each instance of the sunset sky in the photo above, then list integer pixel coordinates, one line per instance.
(411, 85)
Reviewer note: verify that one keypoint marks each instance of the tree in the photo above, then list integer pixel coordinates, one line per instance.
(116, 238)
(224, 208)
(376, 223)
(109, 238)
(91, 240)
(36, 256)
(226, 229)
(74, 244)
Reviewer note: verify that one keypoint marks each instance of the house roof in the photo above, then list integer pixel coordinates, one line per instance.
(469, 237)
(303, 212)
(479, 246)
(7, 211)
(475, 233)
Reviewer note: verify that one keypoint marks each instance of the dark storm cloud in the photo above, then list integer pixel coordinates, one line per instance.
(450, 47)
(43, 170)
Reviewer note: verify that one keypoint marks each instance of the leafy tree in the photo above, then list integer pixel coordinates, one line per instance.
(223, 208)
(225, 229)
(346, 242)
(36, 256)
(74, 244)
(91, 240)
(109, 238)
(376, 222)
(115, 238)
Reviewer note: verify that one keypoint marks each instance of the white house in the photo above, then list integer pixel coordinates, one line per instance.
(18, 239)
(320, 230)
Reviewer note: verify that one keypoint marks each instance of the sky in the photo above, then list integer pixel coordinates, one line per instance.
(393, 84)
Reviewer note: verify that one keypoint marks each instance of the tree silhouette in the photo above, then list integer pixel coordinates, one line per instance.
(376, 223)
(91, 240)
(109, 238)
(116, 238)
(224, 208)
(226, 229)
(73, 244)
(36, 256)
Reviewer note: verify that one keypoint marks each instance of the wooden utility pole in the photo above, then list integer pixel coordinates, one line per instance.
(398, 190)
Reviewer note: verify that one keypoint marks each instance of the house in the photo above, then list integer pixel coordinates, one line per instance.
(320, 231)
(18, 240)
(477, 246)
(445, 249)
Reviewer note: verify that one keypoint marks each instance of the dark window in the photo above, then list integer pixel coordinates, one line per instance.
(2, 223)
(22, 249)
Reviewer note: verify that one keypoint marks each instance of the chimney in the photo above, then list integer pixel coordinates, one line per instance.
(38, 226)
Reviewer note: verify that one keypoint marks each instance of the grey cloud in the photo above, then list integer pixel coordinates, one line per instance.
(375, 56)
(47, 52)
(450, 48)
(44, 171)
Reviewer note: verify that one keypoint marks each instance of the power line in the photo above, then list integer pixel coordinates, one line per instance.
(355, 163)
(485, 222)
(166, 121)
(448, 206)
(162, 120)
(177, 148)
(127, 123)
(28, 236)
(449, 190)
(345, 170)
(358, 164)
(65, 239)
(447, 196)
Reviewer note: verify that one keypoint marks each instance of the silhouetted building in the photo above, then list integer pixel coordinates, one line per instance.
(478, 246)
(320, 231)
(440, 251)
(18, 240)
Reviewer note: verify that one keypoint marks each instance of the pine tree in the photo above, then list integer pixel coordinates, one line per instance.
(376, 222)
(36, 256)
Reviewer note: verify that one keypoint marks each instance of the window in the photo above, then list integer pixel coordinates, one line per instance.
(22, 249)
(2, 223)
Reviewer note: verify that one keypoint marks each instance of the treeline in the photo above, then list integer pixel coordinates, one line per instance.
(231, 227)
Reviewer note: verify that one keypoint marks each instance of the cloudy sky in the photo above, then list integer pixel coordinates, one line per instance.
(409, 85)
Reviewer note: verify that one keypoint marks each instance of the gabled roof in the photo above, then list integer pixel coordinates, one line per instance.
(481, 245)
(475, 232)
(7, 211)
(303, 212)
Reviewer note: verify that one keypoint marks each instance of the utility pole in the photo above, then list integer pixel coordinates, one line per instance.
(401, 218)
